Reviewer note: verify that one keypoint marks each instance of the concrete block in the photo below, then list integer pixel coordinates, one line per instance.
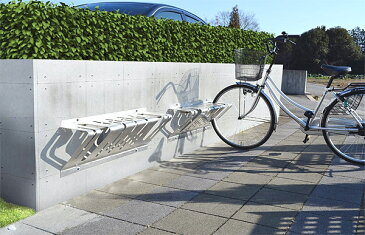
(17, 190)
(17, 154)
(95, 102)
(61, 101)
(104, 71)
(17, 107)
(294, 82)
(140, 212)
(59, 71)
(105, 225)
(54, 189)
(67, 217)
(189, 222)
(16, 71)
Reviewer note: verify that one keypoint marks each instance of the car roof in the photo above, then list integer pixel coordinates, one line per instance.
(153, 7)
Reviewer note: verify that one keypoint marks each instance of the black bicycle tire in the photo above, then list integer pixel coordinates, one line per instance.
(326, 112)
(272, 114)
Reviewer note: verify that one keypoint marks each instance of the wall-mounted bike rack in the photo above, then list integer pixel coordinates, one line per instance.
(194, 117)
(110, 136)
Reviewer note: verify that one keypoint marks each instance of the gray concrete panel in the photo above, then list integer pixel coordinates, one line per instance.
(16, 71)
(294, 82)
(19, 190)
(60, 71)
(54, 189)
(104, 71)
(17, 107)
(60, 101)
(18, 154)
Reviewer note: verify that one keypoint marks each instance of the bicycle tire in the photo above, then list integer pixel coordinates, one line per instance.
(240, 133)
(346, 145)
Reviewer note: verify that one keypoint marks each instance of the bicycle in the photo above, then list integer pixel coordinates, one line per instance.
(252, 117)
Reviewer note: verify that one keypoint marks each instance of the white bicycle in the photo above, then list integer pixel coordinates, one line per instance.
(342, 122)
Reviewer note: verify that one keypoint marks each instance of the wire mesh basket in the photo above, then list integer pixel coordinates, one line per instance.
(249, 64)
(351, 102)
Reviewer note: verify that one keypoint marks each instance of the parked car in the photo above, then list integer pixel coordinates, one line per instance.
(159, 11)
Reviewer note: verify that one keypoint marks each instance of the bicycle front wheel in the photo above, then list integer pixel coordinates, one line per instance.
(249, 122)
(348, 141)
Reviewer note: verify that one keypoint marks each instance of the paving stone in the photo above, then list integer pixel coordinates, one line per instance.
(19, 228)
(313, 160)
(210, 171)
(105, 225)
(190, 222)
(140, 212)
(253, 168)
(351, 171)
(329, 207)
(295, 186)
(248, 178)
(307, 223)
(191, 183)
(58, 218)
(154, 231)
(215, 205)
(272, 216)
(284, 199)
(128, 188)
(154, 177)
(312, 175)
(240, 227)
(97, 201)
(339, 193)
(168, 196)
(233, 190)
(343, 182)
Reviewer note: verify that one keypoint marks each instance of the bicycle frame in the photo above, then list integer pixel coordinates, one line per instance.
(313, 128)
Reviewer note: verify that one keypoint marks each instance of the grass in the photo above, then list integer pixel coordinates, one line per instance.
(10, 213)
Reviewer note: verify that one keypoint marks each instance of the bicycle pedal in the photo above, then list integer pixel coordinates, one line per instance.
(306, 138)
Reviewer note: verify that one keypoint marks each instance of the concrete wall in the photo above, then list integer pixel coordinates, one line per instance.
(38, 94)
(294, 82)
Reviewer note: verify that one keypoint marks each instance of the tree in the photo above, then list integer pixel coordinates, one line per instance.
(247, 20)
(234, 21)
(359, 37)
(311, 50)
(342, 48)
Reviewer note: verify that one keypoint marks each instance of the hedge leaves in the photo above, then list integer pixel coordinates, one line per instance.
(38, 30)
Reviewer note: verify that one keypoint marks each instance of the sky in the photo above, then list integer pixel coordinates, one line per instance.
(273, 16)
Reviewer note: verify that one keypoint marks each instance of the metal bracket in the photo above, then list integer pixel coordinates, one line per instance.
(111, 134)
(190, 118)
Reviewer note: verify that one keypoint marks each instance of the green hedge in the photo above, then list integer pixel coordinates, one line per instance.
(37, 30)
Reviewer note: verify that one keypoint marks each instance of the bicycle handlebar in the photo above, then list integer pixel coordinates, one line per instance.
(284, 37)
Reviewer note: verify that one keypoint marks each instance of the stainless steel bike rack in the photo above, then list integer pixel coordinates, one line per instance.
(109, 136)
(194, 117)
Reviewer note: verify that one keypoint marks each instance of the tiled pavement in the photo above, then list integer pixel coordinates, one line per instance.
(283, 187)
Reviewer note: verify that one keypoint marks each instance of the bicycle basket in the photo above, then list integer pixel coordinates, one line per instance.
(352, 102)
(249, 64)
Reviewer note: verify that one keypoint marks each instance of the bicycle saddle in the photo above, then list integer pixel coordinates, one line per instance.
(335, 70)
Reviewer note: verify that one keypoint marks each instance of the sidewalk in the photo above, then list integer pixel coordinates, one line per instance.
(283, 187)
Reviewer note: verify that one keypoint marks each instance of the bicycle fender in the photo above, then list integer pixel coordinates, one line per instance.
(256, 89)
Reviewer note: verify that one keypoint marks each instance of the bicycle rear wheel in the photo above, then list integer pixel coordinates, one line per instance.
(238, 127)
(349, 145)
